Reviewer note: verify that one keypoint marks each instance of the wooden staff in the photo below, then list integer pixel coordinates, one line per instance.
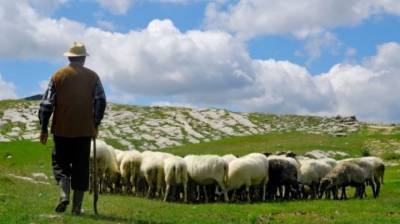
(95, 184)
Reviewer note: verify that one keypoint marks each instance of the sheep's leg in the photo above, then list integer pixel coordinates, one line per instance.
(335, 193)
(137, 186)
(287, 190)
(362, 190)
(373, 189)
(205, 193)
(264, 190)
(159, 190)
(149, 189)
(167, 189)
(313, 190)
(198, 192)
(280, 192)
(248, 193)
(344, 195)
(378, 188)
(185, 193)
(234, 195)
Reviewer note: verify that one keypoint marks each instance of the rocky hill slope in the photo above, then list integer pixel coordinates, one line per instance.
(151, 128)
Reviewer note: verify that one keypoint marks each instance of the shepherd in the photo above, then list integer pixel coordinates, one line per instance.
(76, 98)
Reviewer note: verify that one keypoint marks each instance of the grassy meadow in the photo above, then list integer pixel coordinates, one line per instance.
(25, 202)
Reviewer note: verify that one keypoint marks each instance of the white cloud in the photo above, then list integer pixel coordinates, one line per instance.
(369, 90)
(206, 68)
(43, 85)
(308, 20)
(284, 87)
(116, 6)
(47, 7)
(7, 89)
(250, 18)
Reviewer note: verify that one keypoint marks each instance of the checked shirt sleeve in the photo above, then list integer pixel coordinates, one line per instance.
(99, 105)
(47, 106)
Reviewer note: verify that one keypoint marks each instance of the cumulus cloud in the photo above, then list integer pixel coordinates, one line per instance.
(308, 20)
(249, 18)
(7, 89)
(284, 87)
(206, 68)
(369, 90)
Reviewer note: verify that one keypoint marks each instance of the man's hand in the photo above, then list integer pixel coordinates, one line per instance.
(43, 137)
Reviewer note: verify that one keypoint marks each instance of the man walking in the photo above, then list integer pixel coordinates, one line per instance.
(76, 96)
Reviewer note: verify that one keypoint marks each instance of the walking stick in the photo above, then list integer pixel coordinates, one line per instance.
(95, 184)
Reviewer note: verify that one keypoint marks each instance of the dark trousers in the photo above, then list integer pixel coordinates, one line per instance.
(70, 159)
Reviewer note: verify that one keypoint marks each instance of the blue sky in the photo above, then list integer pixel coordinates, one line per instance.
(246, 56)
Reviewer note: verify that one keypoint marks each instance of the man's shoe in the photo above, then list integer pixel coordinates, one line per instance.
(77, 202)
(64, 185)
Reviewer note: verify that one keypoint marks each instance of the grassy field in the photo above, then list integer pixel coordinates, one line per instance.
(25, 202)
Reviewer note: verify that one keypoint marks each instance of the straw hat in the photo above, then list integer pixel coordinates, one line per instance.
(77, 50)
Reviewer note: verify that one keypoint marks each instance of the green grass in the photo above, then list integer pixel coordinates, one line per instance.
(294, 141)
(25, 202)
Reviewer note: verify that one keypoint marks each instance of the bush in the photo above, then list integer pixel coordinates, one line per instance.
(365, 152)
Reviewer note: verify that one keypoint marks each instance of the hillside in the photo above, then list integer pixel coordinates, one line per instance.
(151, 128)
(28, 191)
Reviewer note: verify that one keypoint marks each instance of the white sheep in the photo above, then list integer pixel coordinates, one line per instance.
(379, 171)
(311, 173)
(130, 168)
(107, 168)
(208, 169)
(152, 169)
(331, 162)
(249, 170)
(228, 158)
(175, 171)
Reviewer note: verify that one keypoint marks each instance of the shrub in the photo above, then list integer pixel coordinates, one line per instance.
(365, 152)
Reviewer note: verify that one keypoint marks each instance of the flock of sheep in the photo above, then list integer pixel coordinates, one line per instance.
(253, 177)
